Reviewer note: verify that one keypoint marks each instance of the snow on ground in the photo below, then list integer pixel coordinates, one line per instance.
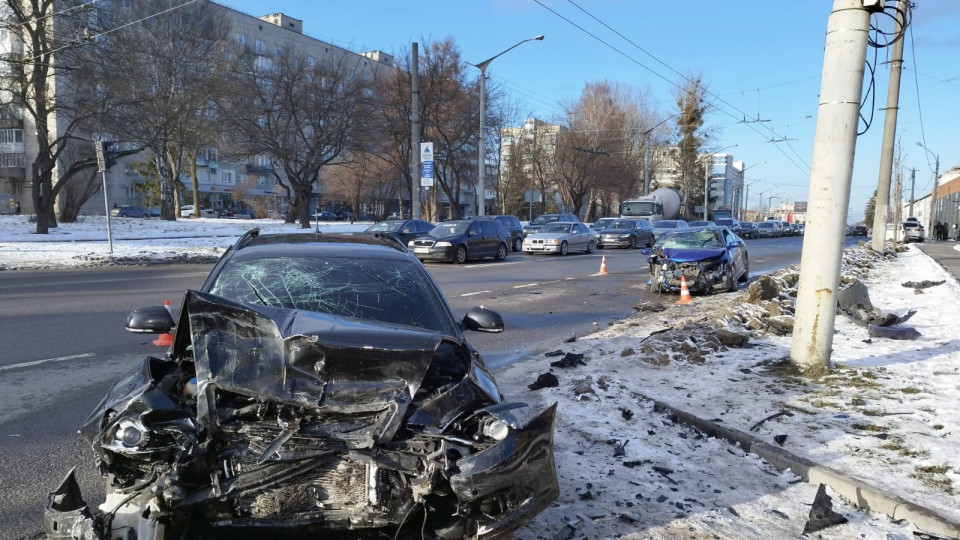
(888, 414)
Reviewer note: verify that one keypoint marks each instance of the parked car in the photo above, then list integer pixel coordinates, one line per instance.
(708, 259)
(543, 219)
(512, 225)
(602, 223)
(317, 386)
(666, 225)
(129, 211)
(403, 230)
(324, 215)
(626, 233)
(732, 223)
(187, 211)
(912, 231)
(768, 229)
(561, 238)
(748, 229)
(701, 224)
(462, 239)
(859, 230)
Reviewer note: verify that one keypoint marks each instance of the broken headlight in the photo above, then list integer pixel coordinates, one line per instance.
(130, 434)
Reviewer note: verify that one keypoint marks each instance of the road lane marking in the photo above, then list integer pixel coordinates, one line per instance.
(474, 293)
(527, 285)
(38, 362)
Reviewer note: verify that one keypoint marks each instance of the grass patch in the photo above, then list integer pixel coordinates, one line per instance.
(934, 476)
(871, 427)
(910, 390)
(938, 426)
(896, 444)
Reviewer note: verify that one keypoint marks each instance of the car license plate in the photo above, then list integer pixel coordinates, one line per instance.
(421, 250)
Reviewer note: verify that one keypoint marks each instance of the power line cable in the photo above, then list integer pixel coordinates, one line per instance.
(804, 168)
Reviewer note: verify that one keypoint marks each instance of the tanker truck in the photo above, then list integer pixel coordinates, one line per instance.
(663, 203)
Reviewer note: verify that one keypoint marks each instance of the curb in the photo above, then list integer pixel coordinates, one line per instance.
(859, 493)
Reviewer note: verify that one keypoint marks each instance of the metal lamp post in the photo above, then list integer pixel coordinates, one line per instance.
(936, 181)
(741, 198)
(746, 199)
(481, 158)
(770, 201)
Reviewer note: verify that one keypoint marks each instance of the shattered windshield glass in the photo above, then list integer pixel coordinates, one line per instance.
(387, 291)
(697, 239)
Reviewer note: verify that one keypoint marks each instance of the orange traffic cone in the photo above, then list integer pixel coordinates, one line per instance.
(684, 292)
(164, 340)
(603, 267)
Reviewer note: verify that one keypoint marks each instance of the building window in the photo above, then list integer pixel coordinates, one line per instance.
(277, 50)
(261, 180)
(11, 135)
(260, 46)
(226, 177)
(210, 154)
(241, 39)
(13, 160)
(263, 161)
(311, 61)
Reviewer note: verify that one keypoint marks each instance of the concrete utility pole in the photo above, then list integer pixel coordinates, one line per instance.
(414, 133)
(889, 133)
(913, 177)
(844, 56)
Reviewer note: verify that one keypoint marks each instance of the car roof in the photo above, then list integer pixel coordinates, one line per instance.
(254, 245)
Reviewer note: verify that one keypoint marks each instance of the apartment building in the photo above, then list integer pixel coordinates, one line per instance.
(221, 183)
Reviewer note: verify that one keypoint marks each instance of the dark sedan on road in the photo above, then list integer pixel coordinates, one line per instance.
(512, 225)
(318, 386)
(708, 259)
(404, 230)
(626, 233)
(129, 211)
(462, 239)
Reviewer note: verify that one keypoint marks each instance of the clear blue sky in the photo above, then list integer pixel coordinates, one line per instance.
(760, 59)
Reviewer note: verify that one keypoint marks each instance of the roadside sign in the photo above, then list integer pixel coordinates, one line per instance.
(426, 164)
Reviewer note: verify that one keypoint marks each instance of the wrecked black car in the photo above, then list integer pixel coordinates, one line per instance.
(316, 384)
(709, 259)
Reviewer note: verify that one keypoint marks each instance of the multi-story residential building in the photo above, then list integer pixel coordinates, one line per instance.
(538, 140)
(221, 182)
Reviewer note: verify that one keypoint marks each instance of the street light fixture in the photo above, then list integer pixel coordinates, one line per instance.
(706, 179)
(936, 181)
(770, 200)
(482, 66)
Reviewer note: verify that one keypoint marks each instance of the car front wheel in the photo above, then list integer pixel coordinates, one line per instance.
(564, 248)
(460, 256)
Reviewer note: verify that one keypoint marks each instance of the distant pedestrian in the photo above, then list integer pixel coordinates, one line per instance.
(17, 210)
(956, 232)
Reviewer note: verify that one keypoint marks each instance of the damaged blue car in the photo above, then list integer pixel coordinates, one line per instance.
(709, 259)
(317, 385)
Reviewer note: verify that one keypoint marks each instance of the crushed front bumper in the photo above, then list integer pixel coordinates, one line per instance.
(703, 278)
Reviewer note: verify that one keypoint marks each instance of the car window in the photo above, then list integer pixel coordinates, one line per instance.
(556, 228)
(388, 291)
(544, 219)
(450, 229)
(489, 228)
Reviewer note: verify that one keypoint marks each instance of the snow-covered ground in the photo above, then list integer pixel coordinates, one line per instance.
(888, 414)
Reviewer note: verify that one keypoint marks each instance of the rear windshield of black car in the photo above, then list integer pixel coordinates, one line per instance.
(386, 291)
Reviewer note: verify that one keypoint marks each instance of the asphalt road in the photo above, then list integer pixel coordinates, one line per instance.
(64, 342)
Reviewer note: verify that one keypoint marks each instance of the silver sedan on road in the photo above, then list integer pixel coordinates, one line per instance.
(561, 238)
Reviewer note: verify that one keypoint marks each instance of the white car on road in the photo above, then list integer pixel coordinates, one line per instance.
(562, 238)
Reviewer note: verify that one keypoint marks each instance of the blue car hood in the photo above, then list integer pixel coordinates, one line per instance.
(692, 255)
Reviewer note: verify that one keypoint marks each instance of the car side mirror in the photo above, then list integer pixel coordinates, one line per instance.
(150, 320)
(481, 319)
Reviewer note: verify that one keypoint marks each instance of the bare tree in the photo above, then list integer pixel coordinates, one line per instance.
(302, 116)
(175, 61)
(52, 75)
